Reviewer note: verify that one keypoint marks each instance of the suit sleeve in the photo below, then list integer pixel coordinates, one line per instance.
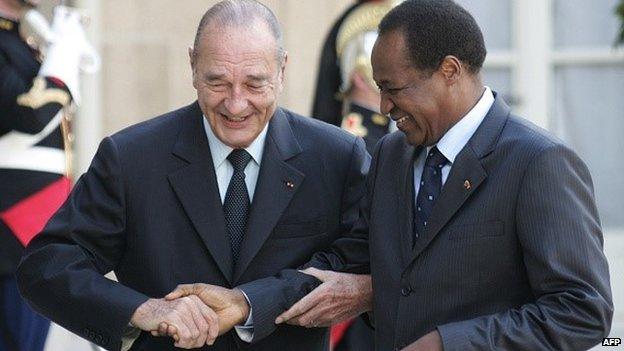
(61, 273)
(28, 106)
(350, 253)
(559, 232)
(269, 297)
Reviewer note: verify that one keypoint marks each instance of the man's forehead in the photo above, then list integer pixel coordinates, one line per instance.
(256, 31)
(242, 45)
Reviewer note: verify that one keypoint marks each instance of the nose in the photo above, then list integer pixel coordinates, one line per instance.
(236, 103)
(386, 104)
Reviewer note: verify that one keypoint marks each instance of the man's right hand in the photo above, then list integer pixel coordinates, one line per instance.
(230, 304)
(193, 324)
(341, 296)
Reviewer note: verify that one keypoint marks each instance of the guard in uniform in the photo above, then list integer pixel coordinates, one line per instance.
(34, 165)
(346, 96)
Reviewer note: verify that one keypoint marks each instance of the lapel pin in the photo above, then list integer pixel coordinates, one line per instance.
(467, 184)
(289, 184)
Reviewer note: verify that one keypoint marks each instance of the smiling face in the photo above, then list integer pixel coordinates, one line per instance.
(415, 99)
(238, 78)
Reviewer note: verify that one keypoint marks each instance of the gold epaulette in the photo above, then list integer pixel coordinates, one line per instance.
(6, 24)
(39, 95)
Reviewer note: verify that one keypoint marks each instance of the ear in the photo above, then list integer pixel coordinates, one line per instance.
(283, 68)
(191, 53)
(451, 69)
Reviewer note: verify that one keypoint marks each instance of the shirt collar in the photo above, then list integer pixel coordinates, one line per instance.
(219, 151)
(457, 137)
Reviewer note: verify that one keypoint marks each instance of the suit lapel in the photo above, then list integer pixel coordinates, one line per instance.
(467, 173)
(197, 189)
(277, 184)
(405, 196)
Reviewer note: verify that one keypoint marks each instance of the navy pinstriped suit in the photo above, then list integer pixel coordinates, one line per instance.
(512, 262)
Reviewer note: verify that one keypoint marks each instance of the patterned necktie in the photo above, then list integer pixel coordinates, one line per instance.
(236, 204)
(430, 187)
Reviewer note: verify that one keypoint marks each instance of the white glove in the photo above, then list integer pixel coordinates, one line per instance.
(63, 58)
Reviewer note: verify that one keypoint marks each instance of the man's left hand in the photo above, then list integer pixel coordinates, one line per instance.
(341, 296)
(429, 342)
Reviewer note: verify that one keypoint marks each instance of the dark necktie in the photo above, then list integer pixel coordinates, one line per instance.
(236, 204)
(430, 187)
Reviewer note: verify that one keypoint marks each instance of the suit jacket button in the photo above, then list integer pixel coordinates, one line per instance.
(406, 291)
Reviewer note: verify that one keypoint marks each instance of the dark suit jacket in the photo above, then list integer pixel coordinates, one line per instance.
(149, 209)
(512, 257)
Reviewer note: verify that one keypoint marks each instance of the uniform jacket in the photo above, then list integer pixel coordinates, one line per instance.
(32, 159)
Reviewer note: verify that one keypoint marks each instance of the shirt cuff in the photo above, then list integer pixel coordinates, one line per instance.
(129, 337)
(246, 332)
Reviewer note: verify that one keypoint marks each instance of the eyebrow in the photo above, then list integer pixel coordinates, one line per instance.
(218, 76)
(258, 78)
(382, 82)
(213, 76)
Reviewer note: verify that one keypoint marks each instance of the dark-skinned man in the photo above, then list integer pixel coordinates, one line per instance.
(480, 229)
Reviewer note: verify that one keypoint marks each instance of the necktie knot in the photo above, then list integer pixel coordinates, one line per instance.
(239, 158)
(435, 158)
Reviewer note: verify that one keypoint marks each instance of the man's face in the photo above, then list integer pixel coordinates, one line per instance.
(238, 79)
(414, 99)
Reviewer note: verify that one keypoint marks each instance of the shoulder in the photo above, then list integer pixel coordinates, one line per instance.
(313, 133)
(155, 132)
(521, 135)
(535, 149)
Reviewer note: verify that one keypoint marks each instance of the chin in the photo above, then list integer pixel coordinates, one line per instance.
(238, 142)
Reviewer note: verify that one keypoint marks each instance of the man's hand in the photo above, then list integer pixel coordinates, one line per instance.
(341, 296)
(429, 342)
(194, 324)
(229, 304)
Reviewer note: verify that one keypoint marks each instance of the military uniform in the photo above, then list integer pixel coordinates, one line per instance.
(347, 49)
(33, 168)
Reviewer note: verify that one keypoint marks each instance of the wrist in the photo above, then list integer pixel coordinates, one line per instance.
(141, 313)
(365, 287)
(241, 303)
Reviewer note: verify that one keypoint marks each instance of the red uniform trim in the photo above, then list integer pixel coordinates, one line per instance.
(28, 217)
(59, 83)
(338, 332)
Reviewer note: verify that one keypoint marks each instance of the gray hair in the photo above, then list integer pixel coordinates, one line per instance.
(239, 13)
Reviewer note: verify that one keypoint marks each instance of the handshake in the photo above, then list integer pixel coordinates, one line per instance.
(194, 315)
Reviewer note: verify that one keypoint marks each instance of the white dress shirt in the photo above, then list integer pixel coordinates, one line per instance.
(455, 139)
(224, 171)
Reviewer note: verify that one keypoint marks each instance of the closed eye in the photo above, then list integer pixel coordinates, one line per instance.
(391, 91)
